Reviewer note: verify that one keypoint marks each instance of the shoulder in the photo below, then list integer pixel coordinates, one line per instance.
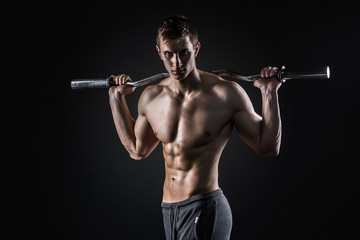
(149, 94)
(229, 90)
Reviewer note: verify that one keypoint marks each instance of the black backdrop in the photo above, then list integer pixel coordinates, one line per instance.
(74, 180)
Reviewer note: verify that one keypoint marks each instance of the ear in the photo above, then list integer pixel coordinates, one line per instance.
(197, 49)
(159, 51)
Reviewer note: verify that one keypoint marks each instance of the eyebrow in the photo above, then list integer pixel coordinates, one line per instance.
(185, 49)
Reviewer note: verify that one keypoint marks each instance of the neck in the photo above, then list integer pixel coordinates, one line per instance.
(188, 84)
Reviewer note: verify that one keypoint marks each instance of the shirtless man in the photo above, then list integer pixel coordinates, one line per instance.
(192, 113)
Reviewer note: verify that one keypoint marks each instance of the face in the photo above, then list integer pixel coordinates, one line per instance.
(178, 56)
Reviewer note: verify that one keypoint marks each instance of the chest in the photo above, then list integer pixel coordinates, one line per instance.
(193, 120)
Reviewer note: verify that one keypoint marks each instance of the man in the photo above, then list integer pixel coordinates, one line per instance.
(192, 114)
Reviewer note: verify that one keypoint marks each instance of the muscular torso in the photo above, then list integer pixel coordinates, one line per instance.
(193, 130)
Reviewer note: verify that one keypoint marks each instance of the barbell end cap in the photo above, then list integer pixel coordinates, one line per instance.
(280, 74)
(327, 72)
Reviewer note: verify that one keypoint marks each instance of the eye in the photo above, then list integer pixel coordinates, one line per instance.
(168, 54)
(184, 52)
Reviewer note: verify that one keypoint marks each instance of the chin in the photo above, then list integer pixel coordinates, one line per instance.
(179, 77)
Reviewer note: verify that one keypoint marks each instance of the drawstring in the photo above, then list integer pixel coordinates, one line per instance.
(173, 220)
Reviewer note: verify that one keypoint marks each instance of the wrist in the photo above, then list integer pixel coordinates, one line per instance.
(269, 95)
(267, 90)
(116, 97)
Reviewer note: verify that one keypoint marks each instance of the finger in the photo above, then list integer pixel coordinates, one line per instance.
(274, 71)
(256, 84)
(111, 90)
(271, 72)
(262, 73)
(267, 72)
(123, 79)
(117, 79)
(127, 78)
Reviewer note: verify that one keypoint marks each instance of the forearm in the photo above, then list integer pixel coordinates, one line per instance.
(270, 125)
(124, 123)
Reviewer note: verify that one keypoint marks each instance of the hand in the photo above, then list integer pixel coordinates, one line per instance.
(120, 87)
(268, 79)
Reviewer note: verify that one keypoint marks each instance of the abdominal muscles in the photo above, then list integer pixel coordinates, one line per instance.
(191, 169)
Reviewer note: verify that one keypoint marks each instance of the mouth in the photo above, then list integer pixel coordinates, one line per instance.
(178, 71)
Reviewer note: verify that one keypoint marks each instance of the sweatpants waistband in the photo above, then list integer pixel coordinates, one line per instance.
(203, 197)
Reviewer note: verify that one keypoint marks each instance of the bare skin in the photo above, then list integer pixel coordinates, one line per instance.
(192, 113)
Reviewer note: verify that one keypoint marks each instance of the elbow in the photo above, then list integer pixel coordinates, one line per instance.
(136, 156)
(269, 151)
(134, 153)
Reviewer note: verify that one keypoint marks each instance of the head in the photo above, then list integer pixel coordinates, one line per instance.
(177, 44)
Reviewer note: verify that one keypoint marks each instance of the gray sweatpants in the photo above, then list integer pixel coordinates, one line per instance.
(207, 216)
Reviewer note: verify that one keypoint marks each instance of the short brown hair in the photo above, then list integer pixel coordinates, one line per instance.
(176, 27)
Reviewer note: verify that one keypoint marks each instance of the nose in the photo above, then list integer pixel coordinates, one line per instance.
(176, 61)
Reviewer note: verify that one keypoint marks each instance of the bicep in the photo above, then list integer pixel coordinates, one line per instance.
(146, 140)
(245, 120)
(247, 125)
(143, 130)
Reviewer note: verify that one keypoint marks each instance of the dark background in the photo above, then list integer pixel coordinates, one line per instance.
(74, 180)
